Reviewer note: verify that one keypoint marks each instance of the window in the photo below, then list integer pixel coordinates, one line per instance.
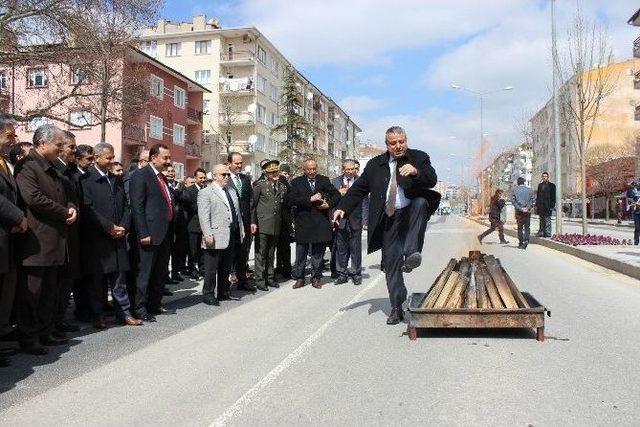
(206, 106)
(203, 47)
(79, 74)
(155, 127)
(206, 165)
(179, 168)
(260, 143)
(81, 118)
(36, 122)
(262, 55)
(37, 77)
(203, 76)
(273, 119)
(3, 80)
(149, 47)
(157, 86)
(262, 84)
(273, 93)
(172, 49)
(178, 134)
(275, 66)
(261, 114)
(178, 97)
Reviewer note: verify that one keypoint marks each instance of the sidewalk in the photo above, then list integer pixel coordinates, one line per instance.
(623, 259)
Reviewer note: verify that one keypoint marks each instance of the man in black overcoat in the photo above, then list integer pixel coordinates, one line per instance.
(189, 199)
(313, 196)
(545, 202)
(399, 182)
(107, 220)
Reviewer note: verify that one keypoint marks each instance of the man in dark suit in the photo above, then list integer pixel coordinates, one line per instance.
(153, 213)
(313, 196)
(106, 222)
(283, 251)
(399, 182)
(12, 220)
(189, 198)
(44, 247)
(545, 202)
(348, 233)
(241, 183)
(179, 244)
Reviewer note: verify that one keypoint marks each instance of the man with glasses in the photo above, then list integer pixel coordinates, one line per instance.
(222, 229)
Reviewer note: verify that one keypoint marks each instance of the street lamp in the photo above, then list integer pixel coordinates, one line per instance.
(481, 95)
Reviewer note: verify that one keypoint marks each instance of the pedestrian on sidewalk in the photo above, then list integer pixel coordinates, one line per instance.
(634, 210)
(495, 210)
(523, 200)
(545, 202)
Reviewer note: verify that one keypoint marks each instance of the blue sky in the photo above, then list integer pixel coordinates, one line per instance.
(392, 63)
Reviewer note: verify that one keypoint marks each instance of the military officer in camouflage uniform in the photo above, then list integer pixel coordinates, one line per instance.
(267, 202)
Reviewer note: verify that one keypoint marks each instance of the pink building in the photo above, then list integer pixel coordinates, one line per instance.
(148, 103)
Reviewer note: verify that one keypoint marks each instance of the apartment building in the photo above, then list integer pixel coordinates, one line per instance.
(618, 124)
(170, 113)
(244, 73)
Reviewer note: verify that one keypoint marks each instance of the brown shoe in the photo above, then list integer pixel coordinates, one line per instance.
(316, 283)
(131, 321)
(100, 323)
(299, 283)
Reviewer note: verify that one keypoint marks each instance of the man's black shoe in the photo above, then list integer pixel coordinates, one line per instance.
(341, 280)
(195, 275)
(33, 348)
(172, 281)
(246, 287)
(262, 287)
(273, 284)
(177, 277)
(525, 244)
(50, 340)
(163, 310)
(211, 301)
(412, 261)
(166, 293)
(396, 316)
(504, 242)
(357, 281)
(67, 327)
(147, 317)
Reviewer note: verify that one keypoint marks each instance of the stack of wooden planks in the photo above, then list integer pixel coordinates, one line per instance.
(477, 282)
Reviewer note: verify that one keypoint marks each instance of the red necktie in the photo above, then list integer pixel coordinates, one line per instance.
(165, 194)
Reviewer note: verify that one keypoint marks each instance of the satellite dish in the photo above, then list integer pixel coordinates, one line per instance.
(310, 96)
(253, 139)
(251, 108)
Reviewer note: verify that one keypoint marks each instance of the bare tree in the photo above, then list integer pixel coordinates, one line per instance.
(610, 167)
(588, 82)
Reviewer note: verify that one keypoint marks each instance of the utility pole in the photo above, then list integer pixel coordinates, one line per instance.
(556, 121)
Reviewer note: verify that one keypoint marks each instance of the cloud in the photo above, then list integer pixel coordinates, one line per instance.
(358, 104)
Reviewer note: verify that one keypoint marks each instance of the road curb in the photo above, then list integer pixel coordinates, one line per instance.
(602, 261)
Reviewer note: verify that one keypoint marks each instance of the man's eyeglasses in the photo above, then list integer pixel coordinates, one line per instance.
(225, 174)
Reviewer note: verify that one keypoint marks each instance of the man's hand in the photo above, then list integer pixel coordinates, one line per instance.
(315, 197)
(117, 231)
(22, 226)
(408, 170)
(343, 191)
(145, 241)
(209, 241)
(254, 228)
(72, 215)
(324, 206)
(338, 215)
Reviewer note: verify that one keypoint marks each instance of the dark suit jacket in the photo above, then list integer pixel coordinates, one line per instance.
(311, 224)
(44, 195)
(189, 198)
(375, 180)
(148, 206)
(104, 207)
(244, 199)
(354, 220)
(545, 198)
(10, 216)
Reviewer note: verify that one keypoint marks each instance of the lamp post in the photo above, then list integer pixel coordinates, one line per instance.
(556, 121)
(481, 95)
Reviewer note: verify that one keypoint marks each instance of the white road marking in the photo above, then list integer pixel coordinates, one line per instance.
(236, 409)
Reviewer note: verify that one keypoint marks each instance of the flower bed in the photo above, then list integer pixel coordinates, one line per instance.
(589, 239)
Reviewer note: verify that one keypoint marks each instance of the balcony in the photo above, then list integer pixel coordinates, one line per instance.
(134, 134)
(242, 147)
(241, 86)
(238, 57)
(636, 81)
(636, 48)
(237, 119)
(195, 116)
(192, 150)
(637, 113)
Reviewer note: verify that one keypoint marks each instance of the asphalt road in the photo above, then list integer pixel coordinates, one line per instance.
(326, 357)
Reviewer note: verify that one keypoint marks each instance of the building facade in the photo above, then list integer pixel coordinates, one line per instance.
(167, 107)
(244, 73)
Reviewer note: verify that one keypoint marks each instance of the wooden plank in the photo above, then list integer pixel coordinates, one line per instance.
(457, 295)
(520, 299)
(492, 291)
(442, 299)
(501, 283)
(431, 297)
(471, 299)
(481, 293)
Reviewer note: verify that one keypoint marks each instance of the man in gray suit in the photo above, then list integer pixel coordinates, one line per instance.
(222, 229)
(523, 200)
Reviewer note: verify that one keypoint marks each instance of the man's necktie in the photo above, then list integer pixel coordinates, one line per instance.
(238, 183)
(390, 206)
(164, 188)
(312, 183)
(234, 214)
